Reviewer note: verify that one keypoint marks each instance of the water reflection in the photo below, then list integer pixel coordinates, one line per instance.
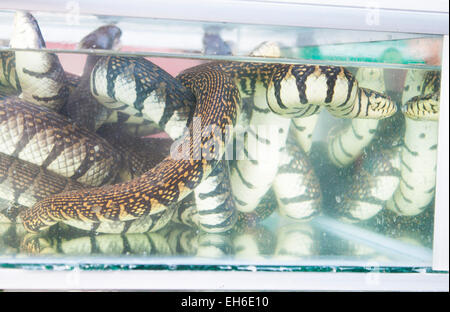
(284, 242)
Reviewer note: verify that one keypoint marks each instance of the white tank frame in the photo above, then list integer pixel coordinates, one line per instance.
(441, 222)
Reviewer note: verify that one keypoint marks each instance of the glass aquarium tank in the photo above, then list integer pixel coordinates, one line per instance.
(161, 144)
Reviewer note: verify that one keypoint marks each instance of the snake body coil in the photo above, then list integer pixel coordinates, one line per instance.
(43, 137)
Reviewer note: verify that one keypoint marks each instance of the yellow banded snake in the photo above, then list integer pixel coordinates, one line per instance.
(216, 105)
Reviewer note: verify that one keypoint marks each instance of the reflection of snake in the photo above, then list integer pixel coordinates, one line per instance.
(137, 87)
(291, 241)
(375, 179)
(398, 170)
(419, 150)
(68, 242)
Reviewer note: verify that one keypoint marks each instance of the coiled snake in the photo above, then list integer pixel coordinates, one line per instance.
(206, 99)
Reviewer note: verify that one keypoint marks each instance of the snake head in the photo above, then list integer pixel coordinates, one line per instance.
(105, 37)
(26, 33)
(422, 107)
(375, 105)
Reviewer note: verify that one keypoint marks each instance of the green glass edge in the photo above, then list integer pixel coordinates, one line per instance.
(220, 268)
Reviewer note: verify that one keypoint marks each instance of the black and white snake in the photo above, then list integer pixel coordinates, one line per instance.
(397, 170)
(199, 110)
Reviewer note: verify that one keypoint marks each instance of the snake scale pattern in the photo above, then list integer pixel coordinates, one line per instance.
(200, 109)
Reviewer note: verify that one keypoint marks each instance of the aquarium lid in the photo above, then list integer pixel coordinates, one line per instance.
(394, 16)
